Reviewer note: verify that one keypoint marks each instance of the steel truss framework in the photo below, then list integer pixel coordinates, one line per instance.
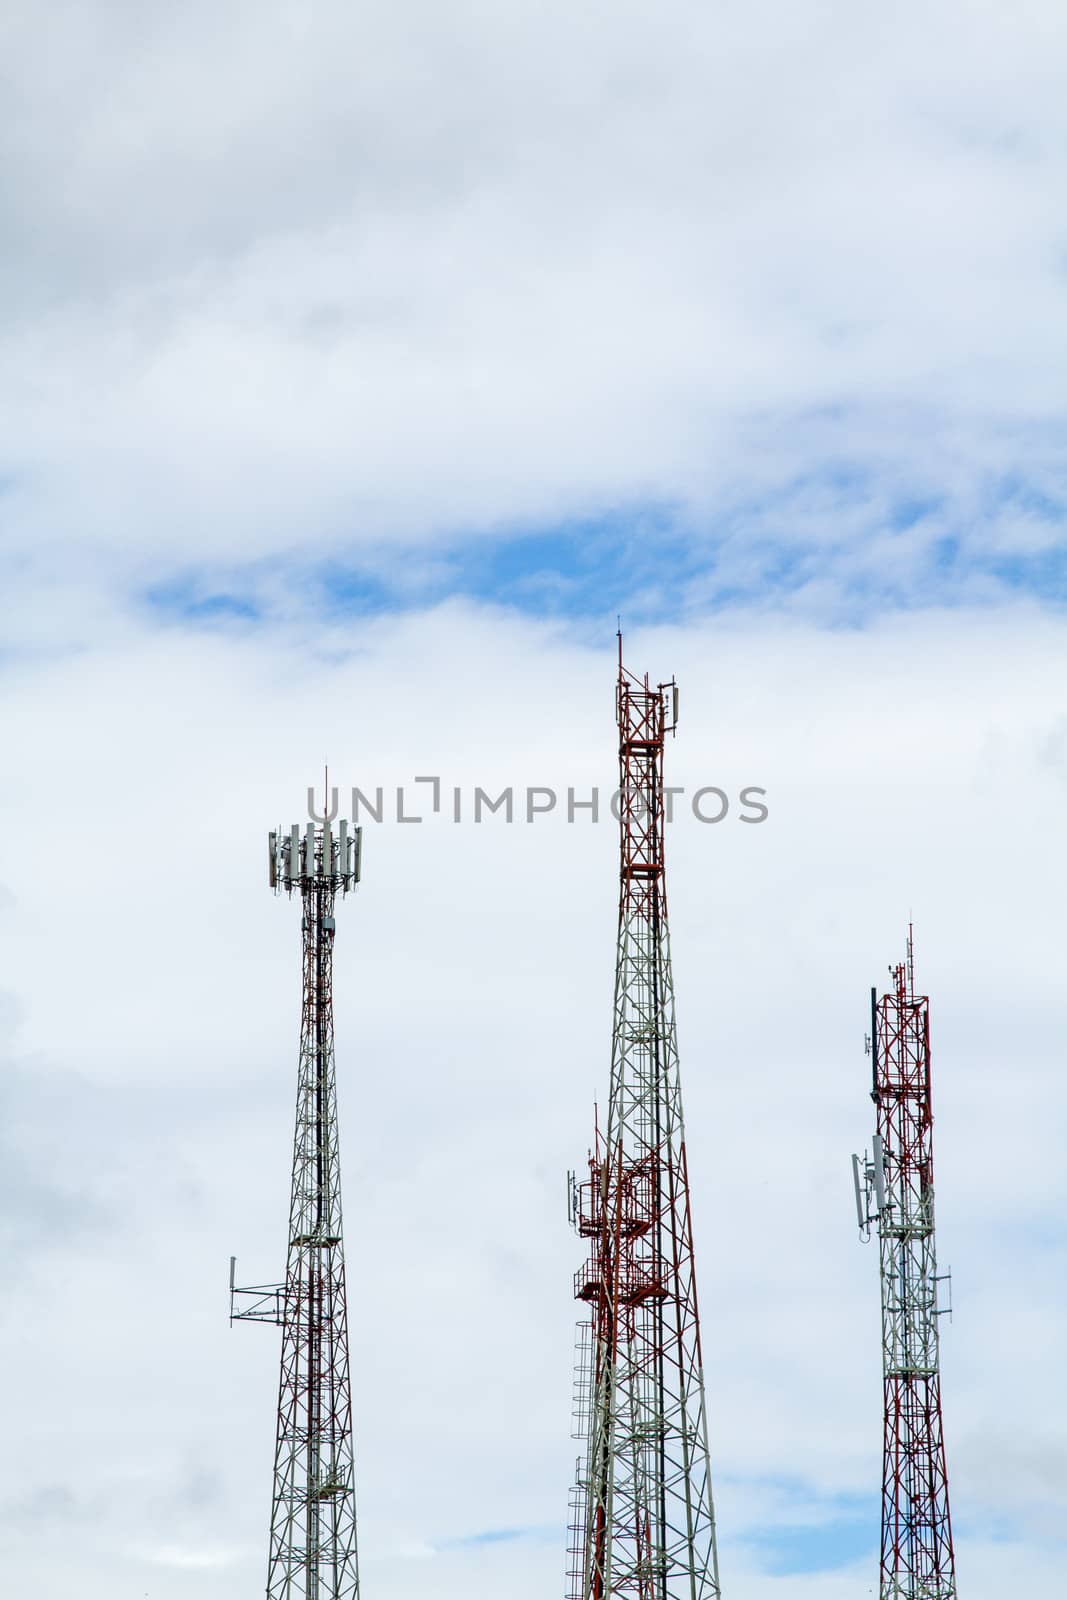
(917, 1559)
(313, 1519)
(643, 1524)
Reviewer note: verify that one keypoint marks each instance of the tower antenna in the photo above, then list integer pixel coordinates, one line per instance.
(313, 1516)
(643, 1524)
(917, 1557)
(911, 961)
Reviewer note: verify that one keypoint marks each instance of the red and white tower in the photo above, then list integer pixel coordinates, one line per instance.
(895, 1190)
(644, 1526)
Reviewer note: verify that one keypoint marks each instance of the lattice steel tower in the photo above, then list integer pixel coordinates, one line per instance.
(643, 1523)
(313, 1519)
(895, 1190)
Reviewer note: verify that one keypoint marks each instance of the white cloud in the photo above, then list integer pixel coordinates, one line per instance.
(281, 281)
(185, 1560)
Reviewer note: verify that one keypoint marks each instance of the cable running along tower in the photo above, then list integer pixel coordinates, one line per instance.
(313, 1519)
(895, 1191)
(643, 1524)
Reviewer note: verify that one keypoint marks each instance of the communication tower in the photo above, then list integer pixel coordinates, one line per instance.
(895, 1192)
(313, 1517)
(643, 1524)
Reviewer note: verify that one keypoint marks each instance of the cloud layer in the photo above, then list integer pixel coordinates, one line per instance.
(284, 284)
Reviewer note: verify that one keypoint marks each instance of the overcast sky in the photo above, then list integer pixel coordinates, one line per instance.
(358, 366)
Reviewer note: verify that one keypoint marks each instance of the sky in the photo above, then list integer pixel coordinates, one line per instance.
(360, 366)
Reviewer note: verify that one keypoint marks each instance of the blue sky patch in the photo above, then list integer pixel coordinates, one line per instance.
(187, 600)
(790, 1550)
(835, 541)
